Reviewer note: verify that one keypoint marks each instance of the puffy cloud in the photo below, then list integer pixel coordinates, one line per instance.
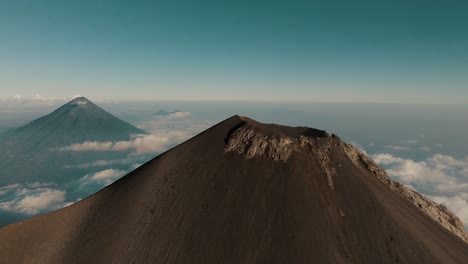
(440, 177)
(109, 163)
(166, 132)
(32, 204)
(148, 144)
(81, 103)
(447, 162)
(438, 169)
(34, 103)
(409, 141)
(41, 98)
(72, 97)
(179, 114)
(358, 146)
(31, 198)
(98, 163)
(105, 176)
(397, 148)
(163, 114)
(457, 204)
(464, 172)
(437, 198)
(33, 185)
(89, 146)
(176, 127)
(427, 149)
(136, 165)
(460, 206)
(385, 158)
(174, 122)
(138, 144)
(5, 189)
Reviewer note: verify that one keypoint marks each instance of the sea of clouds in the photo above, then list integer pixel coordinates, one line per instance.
(165, 132)
(433, 172)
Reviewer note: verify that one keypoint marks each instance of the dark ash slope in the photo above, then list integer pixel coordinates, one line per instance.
(240, 192)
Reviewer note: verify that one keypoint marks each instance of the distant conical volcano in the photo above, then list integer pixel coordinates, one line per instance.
(27, 153)
(246, 192)
(76, 121)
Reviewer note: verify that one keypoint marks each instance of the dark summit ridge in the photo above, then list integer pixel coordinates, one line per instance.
(279, 130)
(245, 192)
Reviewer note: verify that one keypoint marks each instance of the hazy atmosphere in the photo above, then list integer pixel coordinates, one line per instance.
(421, 146)
(91, 91)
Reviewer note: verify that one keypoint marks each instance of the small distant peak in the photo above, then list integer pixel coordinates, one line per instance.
(161, 113)
(80, 98)
(80, 101)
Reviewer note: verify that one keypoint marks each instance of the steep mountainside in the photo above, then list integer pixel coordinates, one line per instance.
(245, 192)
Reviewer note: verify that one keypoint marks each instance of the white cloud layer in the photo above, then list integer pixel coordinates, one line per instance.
(31, 198)
(166, 132)
(409, 141)
(138, 144)
(105, 176)
(397, 148)
(108, 163)
(427, 149)
(32, 204)
(440, 177)
(178, 115)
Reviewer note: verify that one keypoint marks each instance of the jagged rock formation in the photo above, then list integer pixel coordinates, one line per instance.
(252, 139)
(241, 192)
(436, 211)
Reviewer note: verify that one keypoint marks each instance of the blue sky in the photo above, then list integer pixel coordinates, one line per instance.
(373, 51)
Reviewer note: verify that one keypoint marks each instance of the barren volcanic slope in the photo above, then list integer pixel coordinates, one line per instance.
(243, 192)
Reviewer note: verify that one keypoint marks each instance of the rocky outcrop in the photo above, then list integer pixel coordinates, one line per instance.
(250, 138)
(437, 212)
(245, 140)
(197, 203)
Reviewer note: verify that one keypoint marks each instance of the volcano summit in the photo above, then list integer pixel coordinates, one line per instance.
(246, 192)
(26, 153)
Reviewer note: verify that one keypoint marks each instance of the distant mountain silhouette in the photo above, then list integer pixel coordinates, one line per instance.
(27, 153)
(245, 192)
(164, 112)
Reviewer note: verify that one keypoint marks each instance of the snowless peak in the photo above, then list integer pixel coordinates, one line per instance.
(281, 194)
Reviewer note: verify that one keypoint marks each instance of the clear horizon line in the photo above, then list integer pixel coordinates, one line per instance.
(97, 99)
